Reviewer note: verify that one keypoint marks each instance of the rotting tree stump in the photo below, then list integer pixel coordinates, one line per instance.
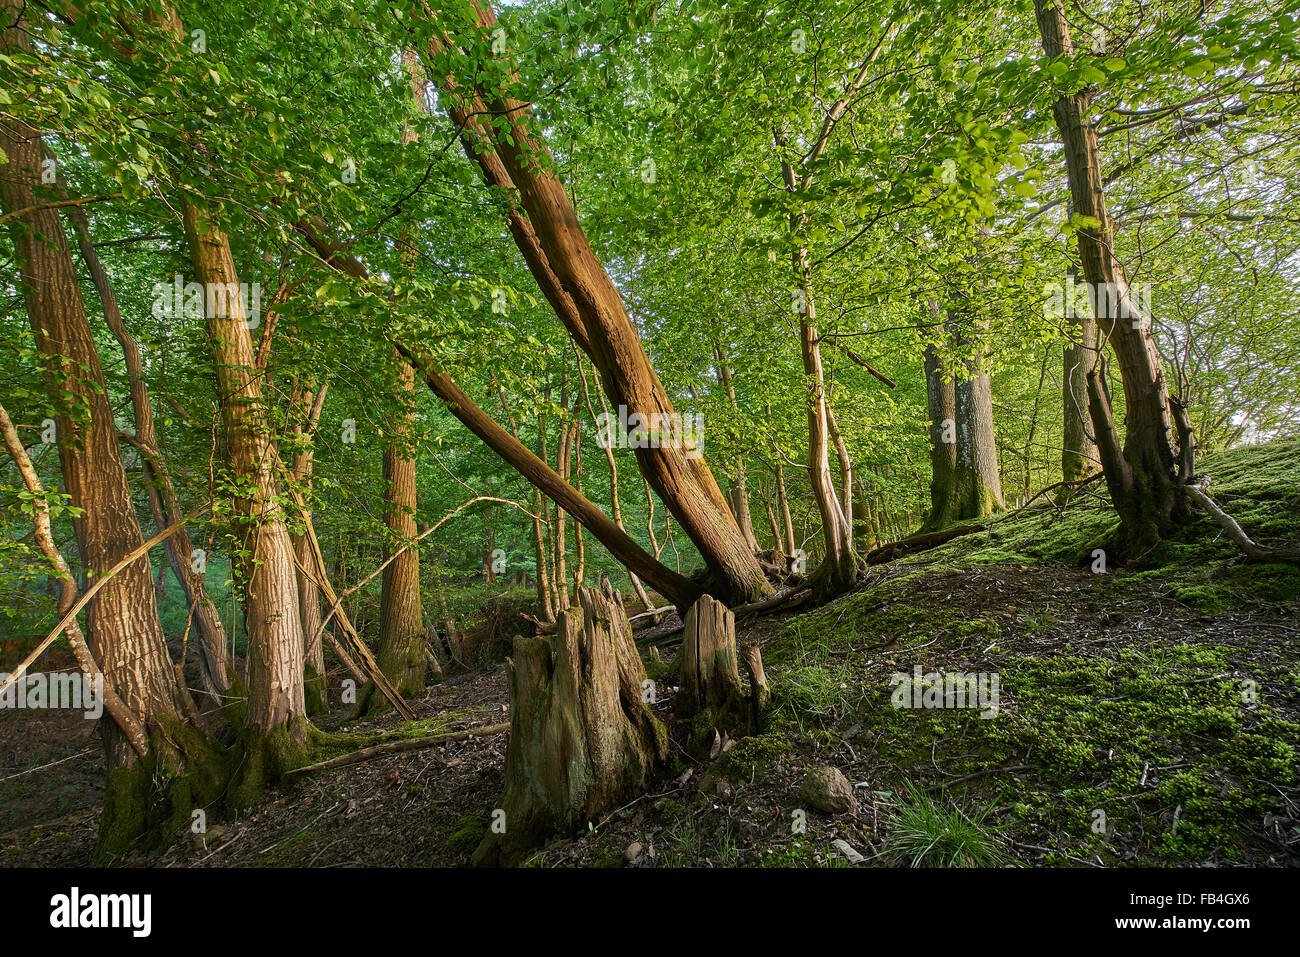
(711, 689)
(582, 736)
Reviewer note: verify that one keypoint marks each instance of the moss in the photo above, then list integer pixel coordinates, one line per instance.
(149, 800)
(264, 758)
(1271, 582)
(753, 757)
(314, 691)
(1201, 597)
(470, 830)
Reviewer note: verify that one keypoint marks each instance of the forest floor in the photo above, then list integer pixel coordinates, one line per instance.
(1145, 715)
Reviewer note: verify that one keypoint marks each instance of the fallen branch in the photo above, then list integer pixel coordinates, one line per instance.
(351, 637)
(399, 747)
(93, 590)
(1253, 551)
(784, 599)
(919, 543)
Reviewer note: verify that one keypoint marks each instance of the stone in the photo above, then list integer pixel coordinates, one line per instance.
(827, 789)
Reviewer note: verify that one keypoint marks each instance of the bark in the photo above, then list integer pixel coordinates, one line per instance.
(123, 632)
(941, 405)
(615, 507)
(670, 584)
(582, 736)
(965, 481)
(1079, 449)
(838, 570)
(309, 403)
(130, 724)
(401, 617)
(272, 615)
(784, 501)
(1142, 473)
(598, 319)
(214, 664)
(739, 497)
(711, 685)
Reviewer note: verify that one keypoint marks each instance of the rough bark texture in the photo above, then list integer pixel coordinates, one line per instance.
(122, 627)
(622, 546)
(401, 617)
(272, 615)
(213, 643)
(309, 403)
(1141, 474)
(711, 684)
(582, 736)
(512, 156)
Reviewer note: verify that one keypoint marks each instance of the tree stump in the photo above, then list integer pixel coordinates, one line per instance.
(582, 736)
(711, 687)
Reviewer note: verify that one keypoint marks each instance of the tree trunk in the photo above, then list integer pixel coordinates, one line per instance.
(582, 736)
(669, 583)
(941, 405)
(710, 677)
(308, 403)
(1142, 475)
(275, 724)
(143, 795)
(615, 507)
(1079, 449)
(784, 500)
(401, 617)
(510, 153)
(965, 481)
(739, 497)
(214, 664)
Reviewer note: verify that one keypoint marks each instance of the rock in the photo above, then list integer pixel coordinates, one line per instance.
(633, 852)
(827, 789)
(847, 849)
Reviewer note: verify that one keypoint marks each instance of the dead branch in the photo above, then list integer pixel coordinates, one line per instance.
(399, 747)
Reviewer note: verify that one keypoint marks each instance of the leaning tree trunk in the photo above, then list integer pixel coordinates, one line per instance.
(582, 735)
(147, 796)
(511, 154)
(1142, 474)
(616, 509)
(622, 546)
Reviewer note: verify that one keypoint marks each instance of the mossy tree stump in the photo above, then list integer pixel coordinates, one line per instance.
(582, 736)
(711, 689)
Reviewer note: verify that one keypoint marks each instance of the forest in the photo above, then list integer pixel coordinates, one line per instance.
(649, 434)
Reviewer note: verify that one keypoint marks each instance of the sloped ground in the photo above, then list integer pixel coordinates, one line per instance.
(1145, 715)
